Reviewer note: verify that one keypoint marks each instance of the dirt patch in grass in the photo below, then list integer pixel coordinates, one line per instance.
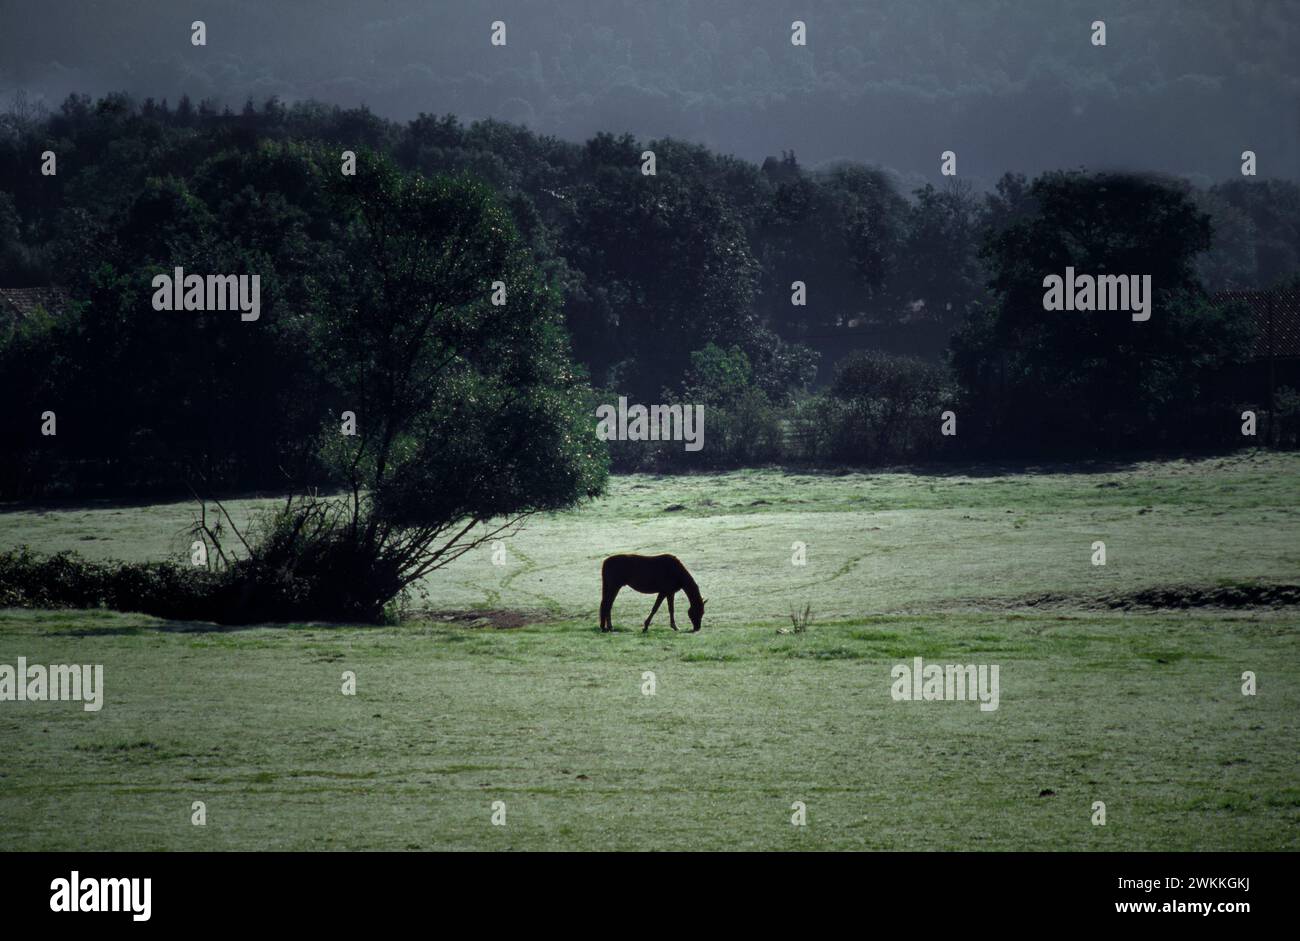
(1240, 597)
(1178, 597)
(499, 618)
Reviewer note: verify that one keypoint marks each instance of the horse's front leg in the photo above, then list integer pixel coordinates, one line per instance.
(658, 602)
(672, 618)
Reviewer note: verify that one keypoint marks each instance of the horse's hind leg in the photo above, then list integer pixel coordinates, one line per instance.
(658, 602)
(607, 596)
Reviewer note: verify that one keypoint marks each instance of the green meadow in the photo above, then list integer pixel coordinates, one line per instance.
(497, 687)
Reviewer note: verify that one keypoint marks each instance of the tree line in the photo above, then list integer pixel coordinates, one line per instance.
(671, 287)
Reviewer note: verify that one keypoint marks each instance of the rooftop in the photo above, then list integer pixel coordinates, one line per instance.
(21, 303)
(1283, 308)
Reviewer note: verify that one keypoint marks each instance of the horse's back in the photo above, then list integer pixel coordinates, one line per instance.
(633, 558)
(643, 573)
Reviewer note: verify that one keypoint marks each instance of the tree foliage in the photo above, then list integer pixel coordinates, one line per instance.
(1037, 380)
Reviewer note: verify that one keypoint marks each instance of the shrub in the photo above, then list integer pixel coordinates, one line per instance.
(67, 580)
(879, 407)
(1287, 418)
(304, 563)
(308, 561)
(742, 427)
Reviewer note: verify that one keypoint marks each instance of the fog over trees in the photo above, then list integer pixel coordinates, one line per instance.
(1181, 86)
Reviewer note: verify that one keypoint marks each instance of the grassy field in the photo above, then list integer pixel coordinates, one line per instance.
(1102, 699)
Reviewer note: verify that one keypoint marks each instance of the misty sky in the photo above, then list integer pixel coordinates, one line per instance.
(1181, 86)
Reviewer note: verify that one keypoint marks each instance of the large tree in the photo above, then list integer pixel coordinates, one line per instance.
(666, 269)
(468, 413)
(1035, 379)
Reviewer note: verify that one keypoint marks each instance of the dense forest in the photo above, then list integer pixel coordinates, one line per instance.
(680, 284)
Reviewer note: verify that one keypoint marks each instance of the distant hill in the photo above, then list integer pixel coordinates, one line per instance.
(1181, 86)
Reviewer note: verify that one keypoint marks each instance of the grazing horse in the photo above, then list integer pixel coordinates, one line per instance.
(663, 575)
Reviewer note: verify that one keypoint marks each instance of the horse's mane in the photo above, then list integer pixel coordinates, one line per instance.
(688, 585)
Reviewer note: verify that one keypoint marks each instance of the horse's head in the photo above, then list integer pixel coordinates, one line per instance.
(696, 614)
